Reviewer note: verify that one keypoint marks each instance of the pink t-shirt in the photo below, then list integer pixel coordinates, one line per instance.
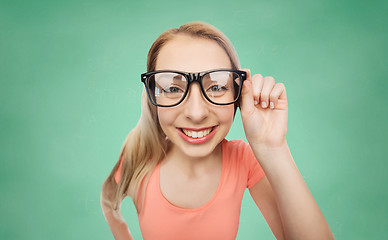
(217, 219)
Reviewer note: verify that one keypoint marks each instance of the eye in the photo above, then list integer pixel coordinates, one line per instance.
(173, 90)
(217, 88)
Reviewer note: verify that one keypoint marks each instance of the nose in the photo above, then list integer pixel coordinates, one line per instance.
(196, 106)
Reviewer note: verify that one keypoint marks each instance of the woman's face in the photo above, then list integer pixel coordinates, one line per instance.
(195, 126)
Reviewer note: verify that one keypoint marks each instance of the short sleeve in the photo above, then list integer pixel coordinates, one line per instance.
(255, 172)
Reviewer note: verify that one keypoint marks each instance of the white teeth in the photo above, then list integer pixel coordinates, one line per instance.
(196, 134)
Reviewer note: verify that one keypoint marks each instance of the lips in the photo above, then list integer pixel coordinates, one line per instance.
(197, 136)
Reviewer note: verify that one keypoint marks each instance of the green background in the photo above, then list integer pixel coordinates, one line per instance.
(70, 93)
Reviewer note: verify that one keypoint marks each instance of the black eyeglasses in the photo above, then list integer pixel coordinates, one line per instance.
(168, 88)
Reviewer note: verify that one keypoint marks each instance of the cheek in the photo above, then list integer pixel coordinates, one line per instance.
(226, 114)
(166, 118)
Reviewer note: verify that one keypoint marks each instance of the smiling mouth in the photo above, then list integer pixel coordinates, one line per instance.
(197, 134)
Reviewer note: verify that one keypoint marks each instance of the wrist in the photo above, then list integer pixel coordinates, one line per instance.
(274, 147)
(265, 152)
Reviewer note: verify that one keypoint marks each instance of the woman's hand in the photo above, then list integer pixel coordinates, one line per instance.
(299, 216)
(264, 111)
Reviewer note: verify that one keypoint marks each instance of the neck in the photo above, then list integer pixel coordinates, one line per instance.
(193, 165)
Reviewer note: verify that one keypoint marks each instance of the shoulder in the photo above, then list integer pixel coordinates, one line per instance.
(242, 161)
(239, 152)
(118, 173)
(236, 147)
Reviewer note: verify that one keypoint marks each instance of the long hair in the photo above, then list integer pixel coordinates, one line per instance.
(146, 145)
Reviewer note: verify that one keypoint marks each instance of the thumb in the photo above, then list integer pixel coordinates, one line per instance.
(247, 101)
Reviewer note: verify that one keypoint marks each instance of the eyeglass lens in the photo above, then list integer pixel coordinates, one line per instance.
(168, 88)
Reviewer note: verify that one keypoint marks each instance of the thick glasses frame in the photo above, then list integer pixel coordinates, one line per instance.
(193, 77)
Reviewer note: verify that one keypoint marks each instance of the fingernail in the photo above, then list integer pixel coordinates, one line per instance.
(255, 102)
(264, 104)
(271, 105)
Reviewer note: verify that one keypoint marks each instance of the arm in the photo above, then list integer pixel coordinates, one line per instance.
(283, 197)
(114, 218)
(264, 198)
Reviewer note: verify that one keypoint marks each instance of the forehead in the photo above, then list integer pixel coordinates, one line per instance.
(189, 54)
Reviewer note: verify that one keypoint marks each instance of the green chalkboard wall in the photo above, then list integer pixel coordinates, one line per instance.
(70, 93)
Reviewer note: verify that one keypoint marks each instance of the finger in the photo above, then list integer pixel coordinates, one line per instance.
(283, 95)
(248, 71)
(257, 85)
(247, 101)
(275, 94)
(268, 85)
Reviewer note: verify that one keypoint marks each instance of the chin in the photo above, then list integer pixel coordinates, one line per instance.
(199, 150)
(196, 154)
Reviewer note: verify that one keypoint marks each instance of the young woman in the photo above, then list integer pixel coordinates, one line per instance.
(186, 180)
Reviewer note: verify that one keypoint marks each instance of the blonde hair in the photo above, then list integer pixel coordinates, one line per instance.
(146, 145)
